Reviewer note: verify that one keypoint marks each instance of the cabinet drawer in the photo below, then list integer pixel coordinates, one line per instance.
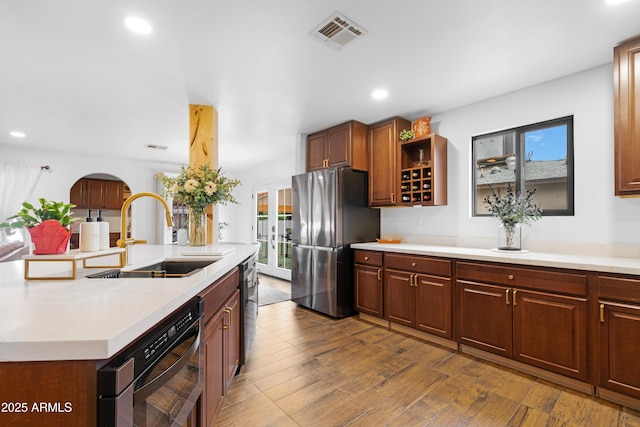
(216, 294)
(541, 279)
(619, 288)
(418, 264)
(368, 258)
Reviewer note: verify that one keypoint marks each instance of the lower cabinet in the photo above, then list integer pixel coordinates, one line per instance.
(619, 329)
(222, 343)
(368, 282)
(417, 293)
(540, 328)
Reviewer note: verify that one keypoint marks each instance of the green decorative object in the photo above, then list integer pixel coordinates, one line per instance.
(406, 135)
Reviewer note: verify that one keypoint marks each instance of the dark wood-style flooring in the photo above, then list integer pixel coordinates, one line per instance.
(306, 369)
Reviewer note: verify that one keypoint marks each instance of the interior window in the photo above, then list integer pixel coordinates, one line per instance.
(536, 156)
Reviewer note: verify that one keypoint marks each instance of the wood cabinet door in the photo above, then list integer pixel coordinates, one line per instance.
(316, 151)
(433, 305)
(550, 332)
(231, 338)
(78, 194)
(382, 165)
(214, 374)
(620, 347)
(113, 194)
(398, 297)
(485, 317)
(368, 284)
(339, 145)
(626, 65)
(95, 194)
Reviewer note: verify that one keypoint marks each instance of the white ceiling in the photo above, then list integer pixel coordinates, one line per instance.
(73, 78)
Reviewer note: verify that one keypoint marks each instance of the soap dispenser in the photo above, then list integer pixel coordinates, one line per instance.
(103, 230)
(89, 235)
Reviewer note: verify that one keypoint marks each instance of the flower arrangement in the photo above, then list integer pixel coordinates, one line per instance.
(406, 135)
(199, 187)
(513, 209)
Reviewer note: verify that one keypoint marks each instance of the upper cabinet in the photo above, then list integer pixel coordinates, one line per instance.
(97, 194)
(627, 118)
(383, 161)
(342, 145)
(423, 171)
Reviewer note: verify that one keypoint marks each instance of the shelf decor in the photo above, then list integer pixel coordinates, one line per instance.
(512, 210)
(406, 135)
(198, 188)
(421, 127)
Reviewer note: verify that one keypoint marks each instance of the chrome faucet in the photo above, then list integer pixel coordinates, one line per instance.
(123, 241)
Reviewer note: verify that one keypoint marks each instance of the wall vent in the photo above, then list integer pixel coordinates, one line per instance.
(155, 146)
(337, 31)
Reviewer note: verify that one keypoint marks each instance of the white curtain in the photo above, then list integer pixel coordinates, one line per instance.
(17, 183)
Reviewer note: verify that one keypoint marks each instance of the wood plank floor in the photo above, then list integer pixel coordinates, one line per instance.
(309, 370)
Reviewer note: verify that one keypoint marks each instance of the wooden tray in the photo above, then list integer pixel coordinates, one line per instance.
(388, 240)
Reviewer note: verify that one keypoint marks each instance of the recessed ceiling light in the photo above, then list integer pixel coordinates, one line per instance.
(379, 94)
(137, 25)
(615, 2)
(17, 134)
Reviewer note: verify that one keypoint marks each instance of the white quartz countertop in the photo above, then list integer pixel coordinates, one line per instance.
(605, 264)
(92, 319)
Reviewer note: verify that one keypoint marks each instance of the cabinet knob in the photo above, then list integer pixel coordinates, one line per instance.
(510, 277)
(366, 258)
(413, 264)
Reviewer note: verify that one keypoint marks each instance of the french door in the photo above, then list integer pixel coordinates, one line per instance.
(273, 230)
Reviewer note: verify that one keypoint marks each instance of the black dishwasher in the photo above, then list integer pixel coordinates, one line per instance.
(249, 305)
(157, 380)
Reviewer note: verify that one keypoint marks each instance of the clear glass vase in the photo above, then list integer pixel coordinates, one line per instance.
(197, 227)
(509, 237)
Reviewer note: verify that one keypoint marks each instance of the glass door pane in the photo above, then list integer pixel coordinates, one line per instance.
(273, 231)
(262, 226)
(284, 229)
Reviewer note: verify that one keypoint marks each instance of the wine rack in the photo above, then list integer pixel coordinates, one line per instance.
(423, 171)
(416, 185)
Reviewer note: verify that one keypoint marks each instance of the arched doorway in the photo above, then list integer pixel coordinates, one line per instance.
(99, 195)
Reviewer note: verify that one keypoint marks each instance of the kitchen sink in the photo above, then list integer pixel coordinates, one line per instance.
(160, 269)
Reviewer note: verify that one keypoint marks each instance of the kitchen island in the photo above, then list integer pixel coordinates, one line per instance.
(55, 334)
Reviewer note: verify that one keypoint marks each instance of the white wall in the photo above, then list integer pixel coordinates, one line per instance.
(602, 223)
(67, 168)
(240, 217)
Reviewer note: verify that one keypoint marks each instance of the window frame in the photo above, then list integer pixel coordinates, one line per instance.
(520, 147)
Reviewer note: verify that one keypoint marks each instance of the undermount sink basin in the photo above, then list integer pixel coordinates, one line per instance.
(160, 269)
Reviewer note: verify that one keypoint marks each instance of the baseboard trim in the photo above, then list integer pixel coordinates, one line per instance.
(618, 398)
(444, 342)
(424, 336)
(531, 370)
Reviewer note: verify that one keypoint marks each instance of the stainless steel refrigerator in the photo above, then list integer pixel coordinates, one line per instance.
(330, 211)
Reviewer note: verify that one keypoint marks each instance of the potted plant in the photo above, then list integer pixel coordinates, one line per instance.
(49, 226)
(406, 135)
(512, 210)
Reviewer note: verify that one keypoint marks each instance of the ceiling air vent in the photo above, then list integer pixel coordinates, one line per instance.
(337, 31)
(155, 147)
